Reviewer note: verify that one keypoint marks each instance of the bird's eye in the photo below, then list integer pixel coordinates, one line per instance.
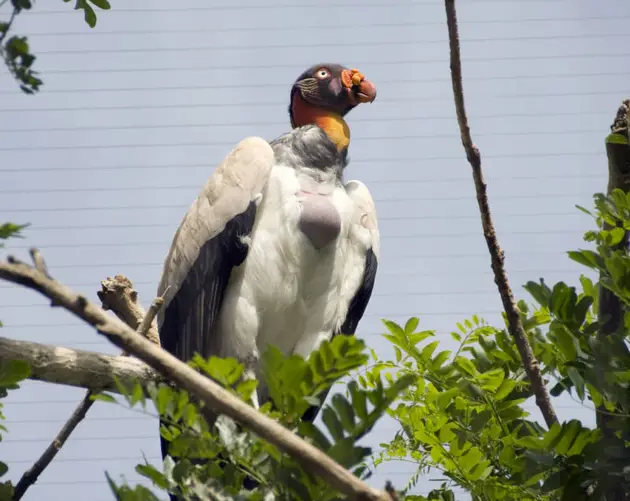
(322, 73)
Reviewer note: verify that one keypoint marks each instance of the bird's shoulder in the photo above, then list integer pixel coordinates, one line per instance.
(365, 216)
(229, 193)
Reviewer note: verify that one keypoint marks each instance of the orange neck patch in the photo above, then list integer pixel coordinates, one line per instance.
(331, 123)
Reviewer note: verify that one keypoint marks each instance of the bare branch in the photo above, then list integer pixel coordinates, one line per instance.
(515, 326)
(38, 260)
(77, 368)
(212, 395)
(148, 325)
(118, 295)
(31, 475)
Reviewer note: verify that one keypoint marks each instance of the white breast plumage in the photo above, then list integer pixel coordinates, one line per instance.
(289, 292)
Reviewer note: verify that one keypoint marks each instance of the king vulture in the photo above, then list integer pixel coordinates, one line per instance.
(276, 249)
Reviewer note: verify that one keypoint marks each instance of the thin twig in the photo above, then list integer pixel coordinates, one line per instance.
(515, 326)
(38, 261)
(6, 31)
(201, 387)
(31, 475)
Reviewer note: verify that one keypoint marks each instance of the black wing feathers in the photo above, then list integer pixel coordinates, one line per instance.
(192, 313)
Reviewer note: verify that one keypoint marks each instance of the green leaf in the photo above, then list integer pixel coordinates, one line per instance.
(584, 210)
(411, 325)
(6, 491)
(89, 14)
(246, 388)
(10, 230)
(465, 365)
(539, 291)
(347, 454)
(581, 309)
(311, 431)
(102, 4)
(418, 337)
(359, 400)
(182, 470)
(3, 468)
(13, 371)
(615, 235)
(226, 371)
(112, 486)
(567, 435)
(148, 471)
(445, 398)
(566, 342)
(328, 357)
(344, 411)
(333, 424)
(586, 257)
(396, 330)
(137, 395)
(104, 397)
(427, 351)
(439, 359)
(164, 397)
(578, 381)
(505, 389)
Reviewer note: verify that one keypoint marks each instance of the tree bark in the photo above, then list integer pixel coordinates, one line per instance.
(618, 153)
(497, 256)
(78, 368)
(118, 295)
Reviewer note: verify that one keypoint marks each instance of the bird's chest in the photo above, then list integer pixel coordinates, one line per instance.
(301, 232)
(306, 210)
(302, 257)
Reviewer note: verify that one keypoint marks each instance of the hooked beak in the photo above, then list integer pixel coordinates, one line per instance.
(358, 88)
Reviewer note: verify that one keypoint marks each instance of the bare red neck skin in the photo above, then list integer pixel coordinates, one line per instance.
(330, 122)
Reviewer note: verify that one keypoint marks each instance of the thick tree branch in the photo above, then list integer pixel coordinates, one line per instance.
(618, 153)
(77, 368)
(515, 326)
(125, 304)
(209, 392)
(610, 306)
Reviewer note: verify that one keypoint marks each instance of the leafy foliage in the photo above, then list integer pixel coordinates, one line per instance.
(461, 412)
(15, 50)
(10, 230)
(88, 10)
(464, 416)
(205, 460)
(11, 374)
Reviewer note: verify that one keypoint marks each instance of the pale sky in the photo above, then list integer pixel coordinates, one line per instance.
(135, 114)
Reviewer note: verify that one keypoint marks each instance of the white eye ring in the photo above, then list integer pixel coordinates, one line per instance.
(322, 73)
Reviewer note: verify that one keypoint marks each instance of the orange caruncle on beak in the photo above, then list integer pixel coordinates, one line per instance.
(360, 90)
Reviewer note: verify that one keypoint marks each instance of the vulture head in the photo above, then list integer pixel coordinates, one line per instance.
(324, 94)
